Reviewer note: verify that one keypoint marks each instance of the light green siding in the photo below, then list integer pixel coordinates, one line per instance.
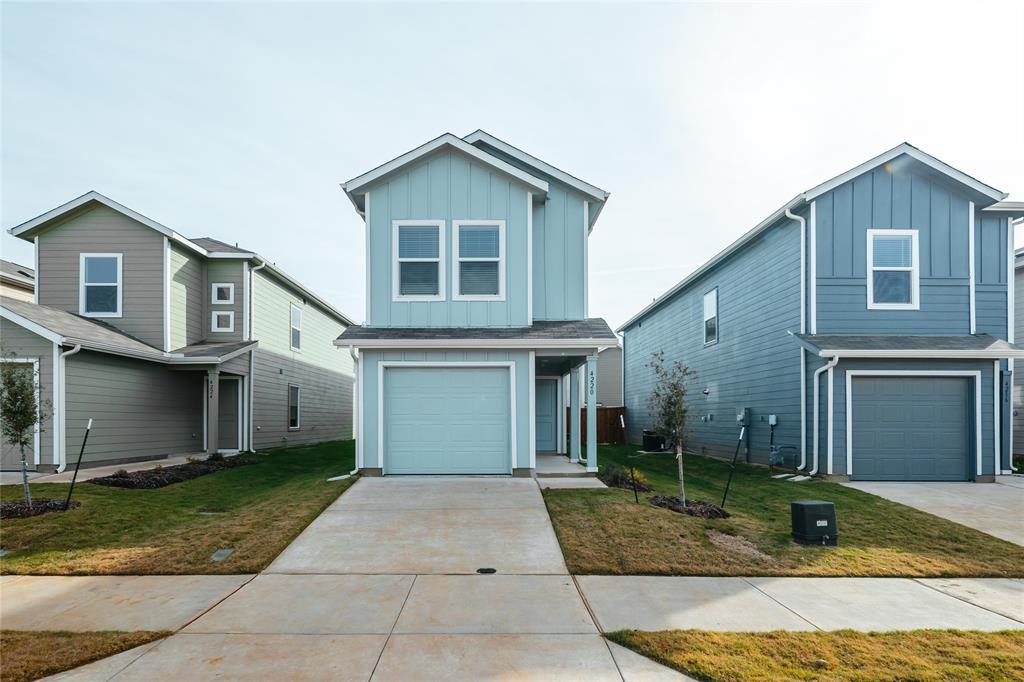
(187, 301)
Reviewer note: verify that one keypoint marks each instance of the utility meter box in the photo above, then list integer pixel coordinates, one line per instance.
(742, 416)
(814, 522)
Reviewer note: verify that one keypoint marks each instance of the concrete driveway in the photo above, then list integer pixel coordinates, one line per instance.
(993, 508)
(383, 585)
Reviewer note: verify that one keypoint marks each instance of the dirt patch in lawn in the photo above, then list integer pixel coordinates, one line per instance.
(163, 476)
(17, 509)
(30, 655)
(839, 656)
(737, 545)
(698, 508)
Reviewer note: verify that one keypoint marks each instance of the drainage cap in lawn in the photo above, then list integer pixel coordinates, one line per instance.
(222, 554)
(487, 570)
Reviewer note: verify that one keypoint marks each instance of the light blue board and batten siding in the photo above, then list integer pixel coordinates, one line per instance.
(369, 369)
(755, 364)
(447, 186)
(902, 198)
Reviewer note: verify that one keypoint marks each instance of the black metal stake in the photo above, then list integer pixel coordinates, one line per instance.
(88, 428)
(632, 477)
(732, 465)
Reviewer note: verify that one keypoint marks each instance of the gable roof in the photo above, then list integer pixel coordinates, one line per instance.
(976, 186)
(204, 246)
(17, 274)
(355, 189)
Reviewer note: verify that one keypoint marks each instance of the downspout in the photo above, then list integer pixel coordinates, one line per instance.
(817, 373)
(61, 412)
(803, 330)
(252, 355)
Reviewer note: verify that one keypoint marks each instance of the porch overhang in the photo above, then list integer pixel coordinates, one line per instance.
(561, 336)
(966, 346)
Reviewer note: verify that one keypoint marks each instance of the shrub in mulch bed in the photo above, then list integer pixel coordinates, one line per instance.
(704, 510)
(615, 476)
(164, 476)
(20, 510)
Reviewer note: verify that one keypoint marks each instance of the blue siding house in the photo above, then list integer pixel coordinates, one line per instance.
(476, 310)
(864, 328)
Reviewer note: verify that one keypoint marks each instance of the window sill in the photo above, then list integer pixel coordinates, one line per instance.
(893, 306)
(118, 314)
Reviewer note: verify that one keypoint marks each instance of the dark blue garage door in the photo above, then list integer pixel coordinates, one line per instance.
(911, 428)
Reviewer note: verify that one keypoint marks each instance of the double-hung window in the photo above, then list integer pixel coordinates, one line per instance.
(479, 247)
(893, 273)
(711, 317)
(99, 293)
(294, 407)
(295, 324)
(418, 273)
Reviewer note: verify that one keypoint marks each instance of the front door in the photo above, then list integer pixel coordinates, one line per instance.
(229, 414)
(547, 415)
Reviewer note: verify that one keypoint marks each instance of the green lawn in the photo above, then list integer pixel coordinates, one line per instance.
(605, 532)
(256, 509)
(31, 655)
(840, 656)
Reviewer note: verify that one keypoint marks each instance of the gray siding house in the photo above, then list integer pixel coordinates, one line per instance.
(864, 326)
(1016, 438)
(171, 345)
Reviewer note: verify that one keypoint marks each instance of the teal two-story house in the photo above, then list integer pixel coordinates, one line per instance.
(864, 329)
(477, 311)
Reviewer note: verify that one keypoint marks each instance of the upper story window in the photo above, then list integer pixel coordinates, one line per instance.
(418, 272)
(479, 247)
(893, 270)
(99, 292)
(296, 327)
(711, 317)
(222, 293)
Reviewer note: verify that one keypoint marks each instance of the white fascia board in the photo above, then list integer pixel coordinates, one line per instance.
(475, 343)
(1013, 209)
(916, 154)
(31, 326)
(722, 255)
(355, 185)
(591, 191)
(228, 255)
(939, 354)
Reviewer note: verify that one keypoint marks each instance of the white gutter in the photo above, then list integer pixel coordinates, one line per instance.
(817, 373)
(252, 354)
(803, 330)
(60, 436)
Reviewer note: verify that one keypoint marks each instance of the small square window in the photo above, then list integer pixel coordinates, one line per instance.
(223, 321)
(222, 293)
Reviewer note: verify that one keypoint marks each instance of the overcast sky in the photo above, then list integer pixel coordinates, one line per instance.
(238, 120)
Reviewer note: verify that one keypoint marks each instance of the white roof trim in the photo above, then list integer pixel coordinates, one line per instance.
(475, 343)
(973, 354)
(592, 191)
(914, 153)
(355, 185)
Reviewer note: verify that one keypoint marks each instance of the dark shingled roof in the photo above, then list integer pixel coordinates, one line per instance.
(211, 244)
(212, 349)
(16, 271)
(966, 344)
(593, 328)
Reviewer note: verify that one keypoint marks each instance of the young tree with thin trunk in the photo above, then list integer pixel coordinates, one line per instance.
(19, 411)
(668, 407)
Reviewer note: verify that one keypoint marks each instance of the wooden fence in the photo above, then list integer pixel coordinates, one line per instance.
(609, 424)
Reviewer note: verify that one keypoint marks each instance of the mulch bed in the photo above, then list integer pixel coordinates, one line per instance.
(20, 510)
(704, 510)
(164, 476)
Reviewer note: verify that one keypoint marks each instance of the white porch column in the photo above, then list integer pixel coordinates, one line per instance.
(212, 409)
(591, 392)
(574, 416)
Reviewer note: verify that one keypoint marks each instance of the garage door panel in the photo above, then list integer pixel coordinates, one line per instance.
(447, 420)
(911, 428)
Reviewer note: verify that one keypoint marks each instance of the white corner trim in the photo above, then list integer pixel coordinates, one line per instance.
(914, 269)
(533, 409)
(814, 268)
(997, 407)
(81, 284)
(586, 259)
(167, 295)
(215, 321)
(457, 260)
(366, 251)
(35, 285)
(246, 285)
(970, 266)
(440, 260)
(386, 364)
(974, 374)
(35, 383)
(1010, 284)
(213, 293)
(529, 258)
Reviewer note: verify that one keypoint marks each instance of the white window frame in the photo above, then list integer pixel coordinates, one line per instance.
(914, 270)
(458, 260)
(215, 327)
(298, 407)
(704, 318)
(213, 293)
(82, 257)
(440, 260)
(292, 327)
